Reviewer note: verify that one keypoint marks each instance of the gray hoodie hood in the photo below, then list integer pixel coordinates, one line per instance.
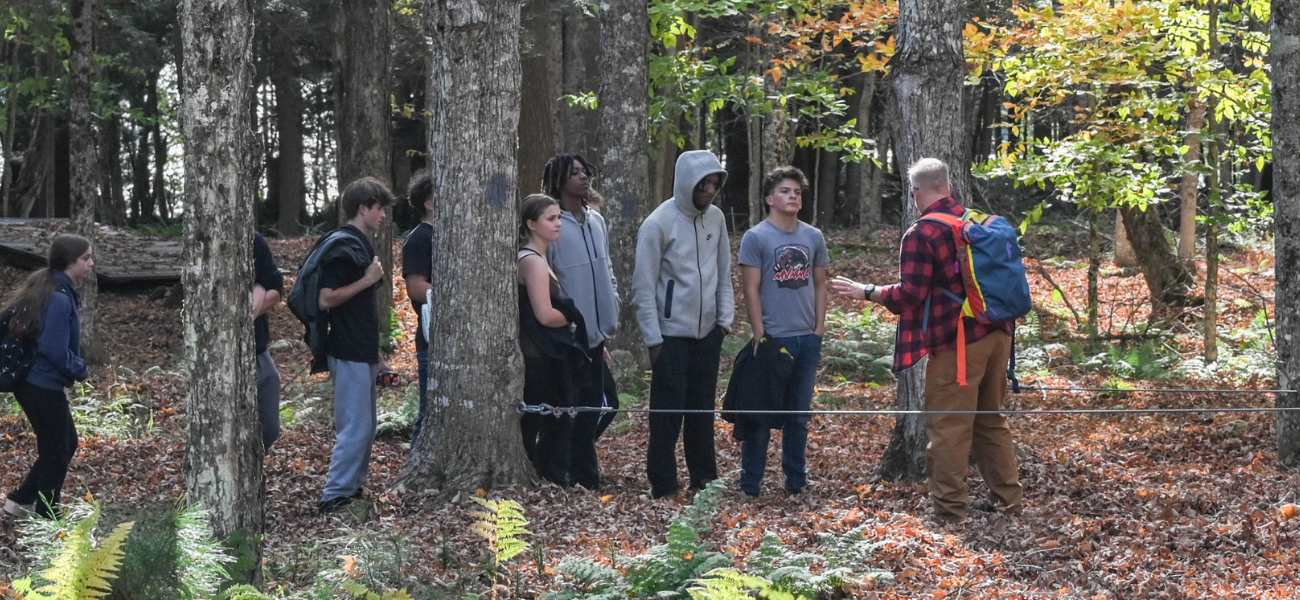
(692, 167)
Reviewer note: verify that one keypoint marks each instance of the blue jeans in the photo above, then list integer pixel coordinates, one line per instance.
(354, 424)
(807, 351)
(422, 360)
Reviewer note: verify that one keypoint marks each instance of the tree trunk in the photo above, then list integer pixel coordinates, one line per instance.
(470, 437)
(112, 199)
(7, 179)
(1284, 60)
(1217, 160)
(223, 460)
(860, 189)
(291, 176)
(81, 74)
(625, 127)
(159, 154)
(929, 120)
(141, 199)
(1124, 257)
(1167, 280)
(541, 47)
(34, 179)
(581, 55)
(363, 31)
(754, 131)
(1094, 275)
(1189, 189)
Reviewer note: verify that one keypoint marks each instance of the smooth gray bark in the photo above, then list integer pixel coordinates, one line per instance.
(470, 436)
(223, 459)
(1284, 60)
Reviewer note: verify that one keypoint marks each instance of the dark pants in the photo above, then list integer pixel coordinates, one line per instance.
(547, 438)
(611, 401)
(685, 377)
(584, 469)
(807, 351)
(56, 442)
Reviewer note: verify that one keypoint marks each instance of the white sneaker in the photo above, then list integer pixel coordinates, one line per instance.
(19, 510)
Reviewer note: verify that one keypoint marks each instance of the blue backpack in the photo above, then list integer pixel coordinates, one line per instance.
(993, 275)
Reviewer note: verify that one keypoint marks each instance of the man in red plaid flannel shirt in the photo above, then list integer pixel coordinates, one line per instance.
(927, 325)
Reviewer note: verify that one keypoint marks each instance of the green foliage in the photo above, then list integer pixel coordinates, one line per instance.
(244, 592)
(117, 411)
(1143, 361)
(858, 347)
(592, 580)
(361, 592)
(78, 566)
(671, 568)
(728, 584)
(817, 575)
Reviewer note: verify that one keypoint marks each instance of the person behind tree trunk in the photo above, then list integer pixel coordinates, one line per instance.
(552, 338)
(417, 270)
(268, 286)
(350, 280)
(46, 314)
(783, 266)
(581, 262)
(927, 324)
(684, 306)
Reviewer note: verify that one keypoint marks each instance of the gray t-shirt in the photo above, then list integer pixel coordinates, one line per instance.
(785, 262)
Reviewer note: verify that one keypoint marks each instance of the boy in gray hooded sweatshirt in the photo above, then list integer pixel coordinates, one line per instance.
(684, 306)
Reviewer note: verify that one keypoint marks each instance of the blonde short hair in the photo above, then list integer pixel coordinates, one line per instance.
(929, 175)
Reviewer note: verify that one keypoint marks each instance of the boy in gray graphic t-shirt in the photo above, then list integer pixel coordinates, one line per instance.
(783, 266)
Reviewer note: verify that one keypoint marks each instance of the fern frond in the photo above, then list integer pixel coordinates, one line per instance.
(66, 574)
(101, 566)
(200, 559)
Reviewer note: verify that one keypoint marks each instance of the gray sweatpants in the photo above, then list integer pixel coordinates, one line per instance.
(354, 426)
(268, 398)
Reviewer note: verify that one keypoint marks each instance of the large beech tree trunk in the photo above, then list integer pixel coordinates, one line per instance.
(84, 181)
(223, 459)
(1284, 58)
(363, 32)
(470, 437)
(929, 121)
(625, 128)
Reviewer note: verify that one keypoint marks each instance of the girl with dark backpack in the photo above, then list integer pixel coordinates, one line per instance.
(46, 315)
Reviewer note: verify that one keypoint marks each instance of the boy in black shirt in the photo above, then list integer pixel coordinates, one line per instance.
(349, 282)
(417, 270)
(268, 286)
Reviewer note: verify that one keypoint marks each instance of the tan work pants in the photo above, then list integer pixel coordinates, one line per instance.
(953, 437)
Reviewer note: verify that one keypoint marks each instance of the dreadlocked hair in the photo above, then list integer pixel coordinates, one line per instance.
(557, 170)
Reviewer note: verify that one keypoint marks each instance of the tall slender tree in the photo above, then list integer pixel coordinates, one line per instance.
(625, 129)
(929, 121)
(85, 185)
(1284, 59)
(223, 460)
(470, 436)
(363, 34)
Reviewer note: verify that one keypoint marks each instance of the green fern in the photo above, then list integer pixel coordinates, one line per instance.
(595, 581)
(78, 570)
(201, 561)
(502, 524)
(668, 570)
(727, 584)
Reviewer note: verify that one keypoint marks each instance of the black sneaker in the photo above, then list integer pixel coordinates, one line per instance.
(333, 505)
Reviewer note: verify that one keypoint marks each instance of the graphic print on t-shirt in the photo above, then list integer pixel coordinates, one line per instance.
(793, 268)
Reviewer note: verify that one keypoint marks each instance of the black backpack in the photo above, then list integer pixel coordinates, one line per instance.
(16, 355)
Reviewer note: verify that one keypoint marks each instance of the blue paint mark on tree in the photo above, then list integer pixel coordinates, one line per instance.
(496, 190)
(628, 208)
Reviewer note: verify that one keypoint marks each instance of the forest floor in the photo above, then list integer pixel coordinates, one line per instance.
(1117, 506)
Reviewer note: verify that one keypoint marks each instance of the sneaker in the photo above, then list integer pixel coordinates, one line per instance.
(19, 510)
(333, 505)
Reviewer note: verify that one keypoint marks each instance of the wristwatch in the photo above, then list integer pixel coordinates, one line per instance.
(867, 290)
